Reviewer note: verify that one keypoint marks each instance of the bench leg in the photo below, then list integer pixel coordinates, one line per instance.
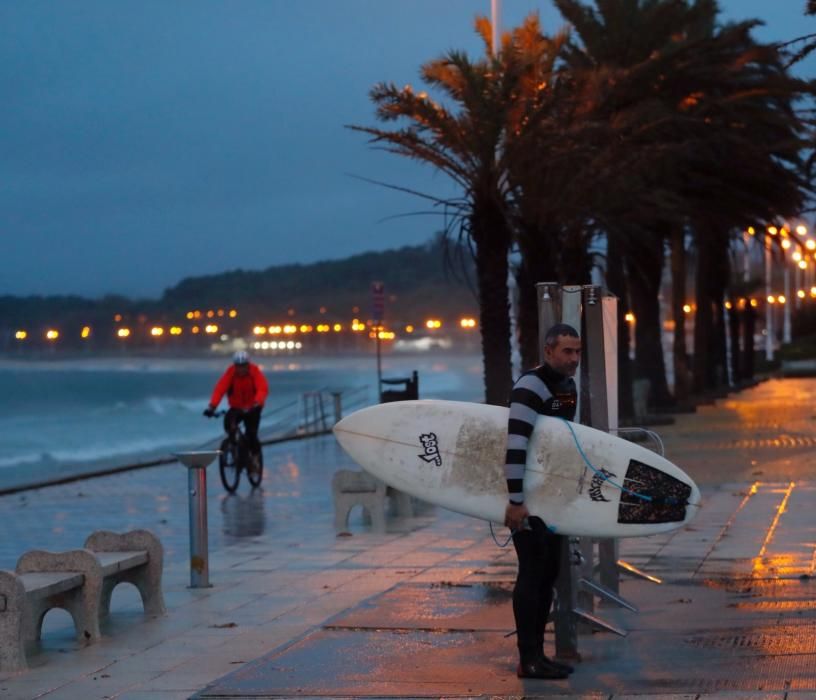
(12, 614)
(82, 603)
(148, 579)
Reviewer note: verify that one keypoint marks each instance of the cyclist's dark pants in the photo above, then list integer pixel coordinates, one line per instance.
(251, 420)
(538, 552)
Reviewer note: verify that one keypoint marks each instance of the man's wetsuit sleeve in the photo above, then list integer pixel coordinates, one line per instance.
(527, 402)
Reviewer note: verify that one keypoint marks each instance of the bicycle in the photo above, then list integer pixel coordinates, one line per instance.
(236, 456)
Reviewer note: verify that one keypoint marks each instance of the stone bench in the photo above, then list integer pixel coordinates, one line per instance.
(79, 581)
(357, 488)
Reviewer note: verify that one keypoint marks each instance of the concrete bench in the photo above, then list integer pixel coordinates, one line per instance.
(79, 581)
(352, 488)
(135, 557)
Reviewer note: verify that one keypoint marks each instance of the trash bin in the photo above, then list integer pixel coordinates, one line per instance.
(408, 391)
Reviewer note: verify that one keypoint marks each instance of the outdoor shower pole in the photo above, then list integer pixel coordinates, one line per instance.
(197, 463)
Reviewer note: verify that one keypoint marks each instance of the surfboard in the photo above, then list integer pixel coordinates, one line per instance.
(579, 480)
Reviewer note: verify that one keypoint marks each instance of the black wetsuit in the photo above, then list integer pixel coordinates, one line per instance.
(541, 391)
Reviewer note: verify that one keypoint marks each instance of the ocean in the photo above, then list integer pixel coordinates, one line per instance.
(64, 418)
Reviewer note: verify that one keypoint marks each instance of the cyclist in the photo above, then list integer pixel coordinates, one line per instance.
(246, 390)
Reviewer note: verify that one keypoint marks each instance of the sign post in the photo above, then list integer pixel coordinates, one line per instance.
(377, 312)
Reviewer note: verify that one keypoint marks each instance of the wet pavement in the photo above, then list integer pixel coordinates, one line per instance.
(423, 610)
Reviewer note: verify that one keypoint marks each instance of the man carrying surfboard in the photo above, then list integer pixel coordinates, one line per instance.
(548, 390)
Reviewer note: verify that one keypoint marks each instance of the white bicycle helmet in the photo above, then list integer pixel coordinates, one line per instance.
(241, 357)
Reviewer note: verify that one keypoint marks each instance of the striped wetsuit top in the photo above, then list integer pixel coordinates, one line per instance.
(541, 391)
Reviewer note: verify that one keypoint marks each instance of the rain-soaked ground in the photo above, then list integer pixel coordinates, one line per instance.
(423, 610)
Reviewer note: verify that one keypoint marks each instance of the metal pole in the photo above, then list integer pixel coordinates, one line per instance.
(769, 353)
(786, 323)
(379, 365)
(199, 555)
(495, 14)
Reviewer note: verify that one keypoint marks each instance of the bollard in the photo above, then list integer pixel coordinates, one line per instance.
(197, 463)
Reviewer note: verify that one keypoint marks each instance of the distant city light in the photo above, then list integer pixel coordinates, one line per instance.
(288, 329)
(21, 335)
(123, 332)
(771, 299)
(810, 244)
(786, 244)
(433, 323)
(751, 230)
(117, 318)
(467, 322)
(52, 334)
(191, 314)
(195, 330)
(211, 328)
(629, 317)
(210, 313)
(803, 264)
(233, 313)
(797, 255)
(85, 332)
(259, 330)
(773, 230)
(754, 303)
(801, 230)
(781, 299)
(157, 331)
(409, 328)
(175, 330)
(220, 313)
(275, 330)
(801, 294)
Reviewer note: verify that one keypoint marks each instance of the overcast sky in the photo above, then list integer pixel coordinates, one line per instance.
(142, 141)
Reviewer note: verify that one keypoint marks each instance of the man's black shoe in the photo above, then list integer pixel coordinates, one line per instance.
(559, 664)
(540, 668)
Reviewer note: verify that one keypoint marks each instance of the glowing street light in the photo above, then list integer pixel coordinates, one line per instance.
(21, 335)
(157, 331)
(52, 334)
(85, 333)
(123, 332)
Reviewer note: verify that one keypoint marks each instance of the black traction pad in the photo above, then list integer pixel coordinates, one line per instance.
(666, 497)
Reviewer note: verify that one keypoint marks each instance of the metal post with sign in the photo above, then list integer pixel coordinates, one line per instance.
(377, 313)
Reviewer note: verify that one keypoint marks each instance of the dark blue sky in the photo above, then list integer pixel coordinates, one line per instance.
(142, 141)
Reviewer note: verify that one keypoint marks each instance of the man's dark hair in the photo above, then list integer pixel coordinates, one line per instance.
(559, 329)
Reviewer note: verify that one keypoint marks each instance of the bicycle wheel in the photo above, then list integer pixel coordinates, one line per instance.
(255, 468)
(228, 465)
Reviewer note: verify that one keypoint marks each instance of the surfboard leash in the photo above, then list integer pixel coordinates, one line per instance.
(605, 477)
(493, 535)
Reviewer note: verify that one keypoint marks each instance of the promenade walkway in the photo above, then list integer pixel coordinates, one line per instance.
(424, 609)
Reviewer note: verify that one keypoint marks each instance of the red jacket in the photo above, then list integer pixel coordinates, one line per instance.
(242, 392)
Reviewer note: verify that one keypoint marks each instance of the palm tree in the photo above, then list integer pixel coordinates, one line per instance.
(464, 142)
(711, 138)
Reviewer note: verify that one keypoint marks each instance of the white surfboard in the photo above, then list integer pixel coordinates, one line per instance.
(579, 480)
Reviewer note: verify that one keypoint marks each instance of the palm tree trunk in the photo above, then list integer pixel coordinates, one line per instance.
(734, 315)
(644, 280)
(678, 275)
(748, 328)
(537, 265)
(616, 283)
(491, 274)
(705, 356)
